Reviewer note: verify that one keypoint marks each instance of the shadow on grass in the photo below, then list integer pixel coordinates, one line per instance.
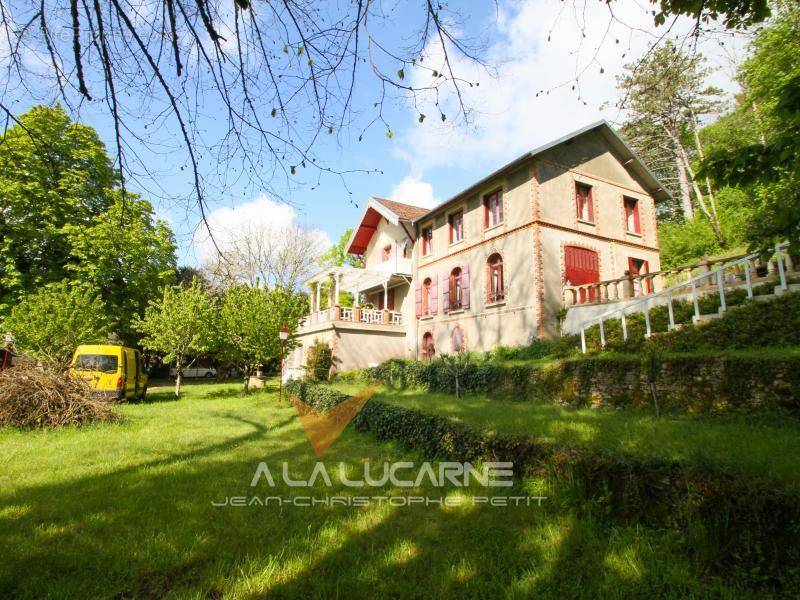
(150, 529)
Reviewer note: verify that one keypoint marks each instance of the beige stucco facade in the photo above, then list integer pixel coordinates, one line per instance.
(539, 219)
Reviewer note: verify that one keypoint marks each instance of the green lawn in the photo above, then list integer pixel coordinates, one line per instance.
(126, 511)
(758, 446)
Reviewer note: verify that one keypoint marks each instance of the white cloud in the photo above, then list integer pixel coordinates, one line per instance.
(261, 213)
(509, 118)
(414, 191)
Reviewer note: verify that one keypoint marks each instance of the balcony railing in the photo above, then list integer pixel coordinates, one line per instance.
(367, 316)
(634, 286)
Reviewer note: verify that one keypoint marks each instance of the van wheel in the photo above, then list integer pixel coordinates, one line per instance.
(209, 375)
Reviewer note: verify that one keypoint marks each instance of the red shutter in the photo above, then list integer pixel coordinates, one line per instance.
(487, 203)
(446, 294)
(465, 286)
(646, 269)
(433, 299)
(637, 226)
(419, 301)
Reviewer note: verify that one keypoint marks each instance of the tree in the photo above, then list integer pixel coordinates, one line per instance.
(127, 255)
(338, 256)
(284, 75)
(276, 256)
(759, 149)
(49, 324)
(250, 321)
(665, 97)
(54, 174)
(63, 217)
(181, 325)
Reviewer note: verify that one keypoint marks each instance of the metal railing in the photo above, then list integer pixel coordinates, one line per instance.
(715, 277)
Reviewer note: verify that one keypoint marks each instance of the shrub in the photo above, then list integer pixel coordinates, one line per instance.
(319, 397)
(49, 324)
(318, 362)
(745, 325)
(537, 349)
(32, 397)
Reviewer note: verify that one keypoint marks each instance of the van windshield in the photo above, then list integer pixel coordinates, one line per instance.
(105, 363)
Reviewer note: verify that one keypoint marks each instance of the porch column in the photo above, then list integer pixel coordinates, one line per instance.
(386, 295)
(318, 298)
(336, 297)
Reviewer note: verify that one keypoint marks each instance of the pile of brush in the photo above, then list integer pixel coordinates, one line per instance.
(34, 396)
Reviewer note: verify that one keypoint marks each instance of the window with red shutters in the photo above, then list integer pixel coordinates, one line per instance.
(583, 202)
(386, 253)
(455, 296)
(427, 240)
(632, 220)
(426, 297)
(496, 287)
(492, 209)
(456, 221)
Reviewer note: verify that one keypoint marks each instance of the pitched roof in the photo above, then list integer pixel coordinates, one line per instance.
(629, 159)
(392, 211)
(403, 211)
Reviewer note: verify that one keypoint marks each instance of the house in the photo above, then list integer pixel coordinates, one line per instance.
(492, 264)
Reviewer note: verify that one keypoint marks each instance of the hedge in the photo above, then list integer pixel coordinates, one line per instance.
(746, 530)
(318, 397)
(744, 383)
(746, 324)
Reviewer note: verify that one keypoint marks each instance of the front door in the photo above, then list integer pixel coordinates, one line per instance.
(581, 266)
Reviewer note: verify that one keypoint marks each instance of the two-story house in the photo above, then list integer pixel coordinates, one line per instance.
(489, 265)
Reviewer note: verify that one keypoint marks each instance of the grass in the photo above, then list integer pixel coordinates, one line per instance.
(748, 445)
(126, 511)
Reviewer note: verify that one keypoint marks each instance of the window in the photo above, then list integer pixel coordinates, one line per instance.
(105, 363)
(636, 268)
(427, 240)
(428, 349)
(492, 209)
(496, 288)
(456, 226)
(632, 222)
(455, 289)
(583, 201)
(386, 253)
(426, 296)
(457, 339)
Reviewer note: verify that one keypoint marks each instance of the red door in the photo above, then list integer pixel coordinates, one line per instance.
(581, 266)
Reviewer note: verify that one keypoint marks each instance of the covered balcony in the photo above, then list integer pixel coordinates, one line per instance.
(325, 289)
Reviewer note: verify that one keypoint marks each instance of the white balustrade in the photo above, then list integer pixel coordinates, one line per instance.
(707, 277)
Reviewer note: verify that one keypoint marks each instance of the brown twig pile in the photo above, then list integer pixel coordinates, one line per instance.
(32, 396)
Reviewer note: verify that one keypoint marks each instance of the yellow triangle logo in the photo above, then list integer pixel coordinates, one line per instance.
(322, 429)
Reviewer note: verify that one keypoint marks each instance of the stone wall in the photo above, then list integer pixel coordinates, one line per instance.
(685, 384)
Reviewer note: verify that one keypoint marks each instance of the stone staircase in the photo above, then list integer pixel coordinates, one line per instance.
(713, 282)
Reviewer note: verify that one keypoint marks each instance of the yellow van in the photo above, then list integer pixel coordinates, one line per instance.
(115, 371)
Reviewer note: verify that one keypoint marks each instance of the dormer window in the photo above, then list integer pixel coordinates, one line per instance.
(386, 253)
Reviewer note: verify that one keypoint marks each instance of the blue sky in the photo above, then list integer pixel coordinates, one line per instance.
(532, 46)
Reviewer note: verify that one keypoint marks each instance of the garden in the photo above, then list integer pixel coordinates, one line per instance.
(126, 510)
